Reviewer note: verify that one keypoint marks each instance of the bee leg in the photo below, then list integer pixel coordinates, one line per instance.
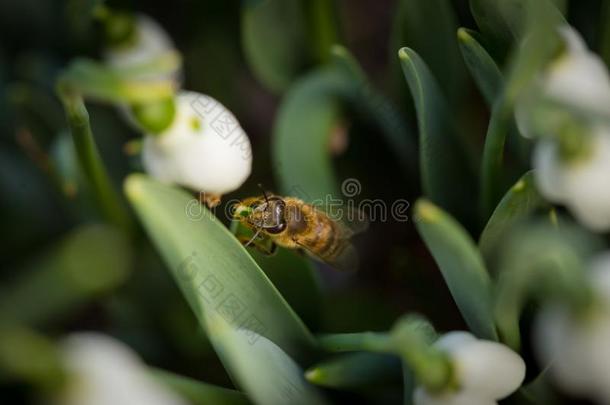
(265, 246)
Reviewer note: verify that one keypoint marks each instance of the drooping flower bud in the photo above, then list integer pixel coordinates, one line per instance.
(204, 149)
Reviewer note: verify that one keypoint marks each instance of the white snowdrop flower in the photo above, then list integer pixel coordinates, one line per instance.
(577, 348)
(483, 372)
(104, 371)
(150, 42)
(204, 148)
(581, 183)
(577, 78)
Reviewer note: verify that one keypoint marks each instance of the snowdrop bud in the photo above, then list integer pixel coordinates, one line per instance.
(204, 149)
(582, 183)
(103, 371)
(483, 372)
(578, 347)
(148, 42)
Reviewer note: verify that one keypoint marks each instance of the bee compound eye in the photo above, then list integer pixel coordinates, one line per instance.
(279, 228)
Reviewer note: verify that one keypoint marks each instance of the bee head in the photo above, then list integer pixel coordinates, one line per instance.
(265, 213)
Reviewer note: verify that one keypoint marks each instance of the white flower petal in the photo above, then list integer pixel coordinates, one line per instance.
(579, 77)
(204, 149)
(548, 173)
(599, 275)
(587, 183)
(578, 350)
(489, 369)
(104, 371)
(455, 340)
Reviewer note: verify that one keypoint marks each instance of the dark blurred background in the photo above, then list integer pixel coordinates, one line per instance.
(38, 38)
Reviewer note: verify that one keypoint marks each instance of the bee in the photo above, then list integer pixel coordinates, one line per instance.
(293, 224)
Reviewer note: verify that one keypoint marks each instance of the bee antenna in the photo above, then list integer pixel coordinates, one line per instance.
(264, 193)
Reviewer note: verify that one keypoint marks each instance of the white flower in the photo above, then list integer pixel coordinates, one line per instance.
(577, 78)
(582, 183)
(484, 372)
(205, 148)
(578, 348)
(149, 43)
(103, 371)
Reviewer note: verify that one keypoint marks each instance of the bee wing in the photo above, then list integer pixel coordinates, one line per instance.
(352, 220)
(346, 258)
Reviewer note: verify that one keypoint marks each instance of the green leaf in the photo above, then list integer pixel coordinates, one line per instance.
(312, 110)
(429, 28)
(274, 37)
(492, 183)
(355, 371)
(295, 277)
(481, 65)
(199, 393)
(519, 202)
(503, 21)
(445, 176)
(305, 120)
(461, 265)
(262, 368)
(214, 271)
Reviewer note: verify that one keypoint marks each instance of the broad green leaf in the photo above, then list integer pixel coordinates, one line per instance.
(500, 20)
(519, 202)
(199, 393)
(90, 261)
(481, 65)
(310, 114)
(445, 175)
(429, 28)
(356, 371)
(503, 21)
(274, 37)
(294, 275)
(262, 368)
(461, 265)
(214, 271)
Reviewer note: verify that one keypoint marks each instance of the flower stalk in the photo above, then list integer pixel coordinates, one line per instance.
(90, 160)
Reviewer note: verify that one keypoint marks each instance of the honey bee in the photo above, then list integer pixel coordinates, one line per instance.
(293, 224)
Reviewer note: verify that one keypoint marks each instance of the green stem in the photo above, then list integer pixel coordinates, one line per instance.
(323, 34)
(409, 341)
(29, 357)
(90, 161)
